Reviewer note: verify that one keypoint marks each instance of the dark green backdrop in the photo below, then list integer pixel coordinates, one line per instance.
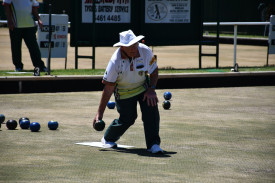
(155, 33)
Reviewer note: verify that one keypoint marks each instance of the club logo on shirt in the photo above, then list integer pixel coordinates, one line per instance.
(154, 59)
(140, 66)
(139, 61)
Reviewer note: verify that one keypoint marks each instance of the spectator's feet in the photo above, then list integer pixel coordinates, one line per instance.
(155, 149)
(107, 144)
(18, 69)
(44, 69)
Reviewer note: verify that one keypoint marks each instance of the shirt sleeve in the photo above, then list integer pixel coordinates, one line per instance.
(35, 3)
(111, 73)
(6, 2)
(152, 62)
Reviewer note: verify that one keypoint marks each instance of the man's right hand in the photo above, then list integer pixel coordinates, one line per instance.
(97, 118)
(11, 25)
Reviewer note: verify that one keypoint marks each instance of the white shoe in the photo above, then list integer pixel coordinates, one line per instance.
(107, 144)
(155, 149)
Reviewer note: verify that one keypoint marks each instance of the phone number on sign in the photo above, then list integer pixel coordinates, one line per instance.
(109, 18)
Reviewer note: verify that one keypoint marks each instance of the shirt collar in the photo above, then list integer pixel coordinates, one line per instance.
(124, 56)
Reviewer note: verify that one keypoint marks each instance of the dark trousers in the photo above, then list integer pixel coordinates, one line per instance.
(127, 108)
(29, 36)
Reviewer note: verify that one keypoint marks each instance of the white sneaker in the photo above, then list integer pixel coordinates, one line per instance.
(155, 149)
(107, 144)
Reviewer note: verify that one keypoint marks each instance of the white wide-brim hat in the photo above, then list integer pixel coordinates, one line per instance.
(128, 38)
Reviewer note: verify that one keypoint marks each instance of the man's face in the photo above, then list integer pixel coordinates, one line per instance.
(131, 51)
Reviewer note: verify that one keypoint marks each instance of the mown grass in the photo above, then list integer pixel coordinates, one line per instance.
(210, 135)
(161, 71)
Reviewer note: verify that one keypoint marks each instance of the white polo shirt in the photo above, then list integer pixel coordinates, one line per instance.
(22, 12)
(130, 76)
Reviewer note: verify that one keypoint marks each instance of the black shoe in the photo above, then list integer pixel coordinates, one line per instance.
(18, 69)
(44, 69)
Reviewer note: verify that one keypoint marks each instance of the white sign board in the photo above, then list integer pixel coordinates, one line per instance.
(271, 40)
(107, 11)
(167, 11)
(59, 39)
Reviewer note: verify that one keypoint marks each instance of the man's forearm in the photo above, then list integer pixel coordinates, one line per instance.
(8, 14)
(154, 77)
(35, 13)
(106, 95)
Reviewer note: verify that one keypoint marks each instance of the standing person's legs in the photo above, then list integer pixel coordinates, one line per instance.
(151, 119)
(29, 36)
(127, 109)
(16, 45)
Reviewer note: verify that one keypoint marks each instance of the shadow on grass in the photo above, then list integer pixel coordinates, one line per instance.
(141, 152)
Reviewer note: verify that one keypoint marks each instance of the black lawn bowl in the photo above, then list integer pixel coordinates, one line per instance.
(2, 118)
(11, 124)
(166, 105)
(99, 125)
(23, 118)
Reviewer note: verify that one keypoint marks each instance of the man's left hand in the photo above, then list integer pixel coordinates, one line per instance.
(40, 24)
(151, 97)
